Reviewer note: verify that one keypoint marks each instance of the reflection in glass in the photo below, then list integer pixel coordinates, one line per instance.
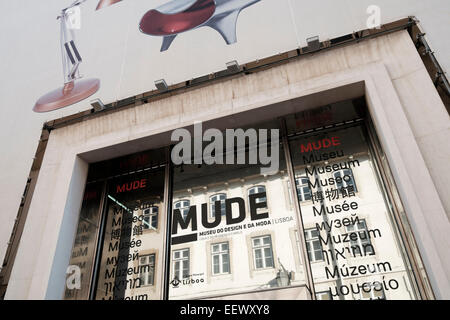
(183, 206)
(313, 245)
(344, 179)
(262, 250)
(256, 190)
(221, 197)
(350, 233)
(360, 238)
(150, 218)
(130, 265)
(84, 247)
(147, 270)
(181, 264)
(220, 257)
(303, 190)
(249, 247)
(324, 295)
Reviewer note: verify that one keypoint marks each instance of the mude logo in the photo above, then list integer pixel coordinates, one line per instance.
(320, 144)
(131, 186)
(191, 217)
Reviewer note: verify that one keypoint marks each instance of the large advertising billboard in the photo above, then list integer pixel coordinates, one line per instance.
(166, 21)
(116, 49)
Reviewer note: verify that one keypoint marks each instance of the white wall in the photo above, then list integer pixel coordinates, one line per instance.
(128, 62)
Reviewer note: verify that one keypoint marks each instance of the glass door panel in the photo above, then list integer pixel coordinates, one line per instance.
(352, 240)
(132, 247)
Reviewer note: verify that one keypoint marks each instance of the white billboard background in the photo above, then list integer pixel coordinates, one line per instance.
(128, 62)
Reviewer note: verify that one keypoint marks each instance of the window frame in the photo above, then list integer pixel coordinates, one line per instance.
(359, 240)
(259, 210)
(151, 215)
(300, 189)
(181, 259)
(323, 293)
(220, 253)
(345, 184)
(309, 239)
(212, 204)
(263, 255)
(257, 187)
(183, 209)
(147, 263)
(371, 293)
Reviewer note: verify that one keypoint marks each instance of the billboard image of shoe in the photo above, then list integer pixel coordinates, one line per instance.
(180, 16)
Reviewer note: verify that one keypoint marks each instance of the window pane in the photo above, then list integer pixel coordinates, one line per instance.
(258, 254)
(226, 263)
(216, 260)
(131, 199)
(308, 234)
(378, 294)
(319, 255)
(185, 269)
(146, 222)
(352, 159)
(150, 278)
(366, 295)
(155, 222)
(308, 247)
(216, 269)
(316, 245)
(208, 183)
(268, 253)
(259, 263)
(269, 262)
(307, 194)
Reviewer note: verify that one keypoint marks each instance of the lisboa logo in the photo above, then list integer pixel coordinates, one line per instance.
(188, 281)
(175, 282)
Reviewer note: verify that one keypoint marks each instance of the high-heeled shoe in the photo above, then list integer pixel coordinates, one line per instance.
(184, 15)
(106, 3)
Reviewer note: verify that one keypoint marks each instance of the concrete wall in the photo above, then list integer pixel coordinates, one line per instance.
(410, 119)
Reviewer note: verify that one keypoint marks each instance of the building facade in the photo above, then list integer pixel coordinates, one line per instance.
(357, 208)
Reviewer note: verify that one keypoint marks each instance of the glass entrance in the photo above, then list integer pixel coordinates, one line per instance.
(132, 249)
(353, 243)
(322, 225)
